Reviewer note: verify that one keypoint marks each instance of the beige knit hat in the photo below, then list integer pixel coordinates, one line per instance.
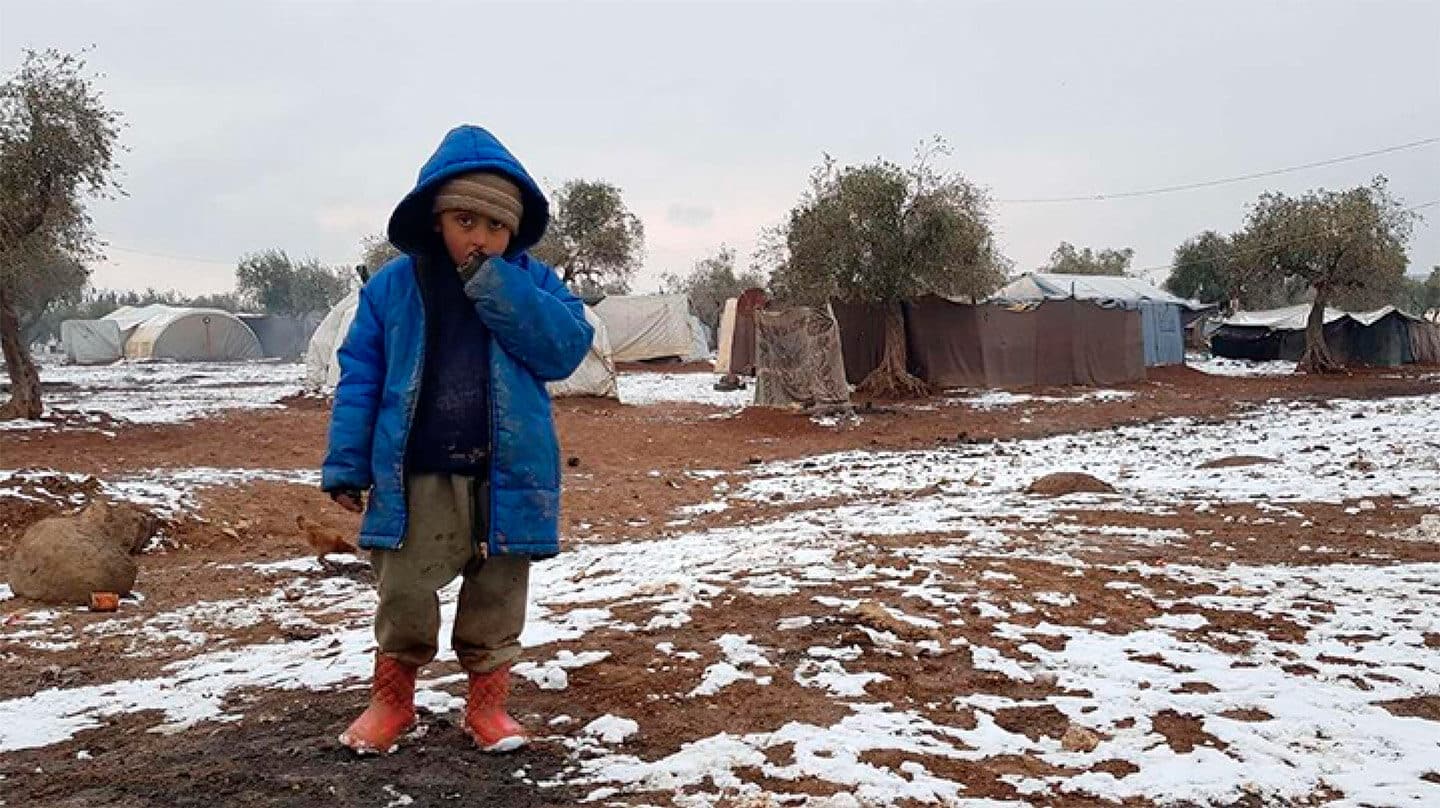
(484, 193)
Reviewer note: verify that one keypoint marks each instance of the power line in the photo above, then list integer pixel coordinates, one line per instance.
(1190, 186)
(1166, 267)
(170, 256)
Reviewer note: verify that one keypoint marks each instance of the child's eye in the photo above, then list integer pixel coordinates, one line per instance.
(494, 226)
(465, 221)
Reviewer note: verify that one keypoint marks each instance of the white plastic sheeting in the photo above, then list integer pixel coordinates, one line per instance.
(1055, 286)
(648, 326)
(596, 375)
(1295, 318)
(322, 360)
(193, 335)
(699, 341)
(92, 342)
(128, 318)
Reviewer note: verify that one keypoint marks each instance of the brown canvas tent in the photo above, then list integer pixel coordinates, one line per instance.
(1054, 343)
(1425, 342)
(950, 344)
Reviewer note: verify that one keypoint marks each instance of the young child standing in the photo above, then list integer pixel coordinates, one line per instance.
(441, 415)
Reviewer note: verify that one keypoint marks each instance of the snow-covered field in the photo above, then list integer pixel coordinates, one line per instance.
(164, 392)
(1179, 682)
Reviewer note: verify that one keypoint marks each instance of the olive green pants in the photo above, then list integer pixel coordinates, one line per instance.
(444, 539)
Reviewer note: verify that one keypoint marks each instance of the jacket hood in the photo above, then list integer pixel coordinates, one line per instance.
(466, 149)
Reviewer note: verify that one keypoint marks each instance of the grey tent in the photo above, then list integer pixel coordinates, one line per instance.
(281, 336)
(1384, 337)
(1161, 313)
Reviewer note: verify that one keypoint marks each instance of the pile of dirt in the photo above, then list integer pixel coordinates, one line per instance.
(39, 495)
(1069, 482)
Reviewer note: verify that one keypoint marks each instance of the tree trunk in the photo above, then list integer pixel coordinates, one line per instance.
(1317, 357)
(890, 380)
(24, 378)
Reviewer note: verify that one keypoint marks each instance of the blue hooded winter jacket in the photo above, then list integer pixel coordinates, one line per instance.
(538, 333)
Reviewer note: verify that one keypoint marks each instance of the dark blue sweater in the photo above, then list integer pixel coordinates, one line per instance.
(451, 433)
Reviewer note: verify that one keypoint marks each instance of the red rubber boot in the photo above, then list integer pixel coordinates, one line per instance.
(485, 718)
(391, 712)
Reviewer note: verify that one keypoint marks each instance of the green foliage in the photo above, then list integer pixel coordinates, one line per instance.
(58, 143)
(711, 282)
(1330, 240)
(1200, 269)
(375, 251)
(593, 241)
(273, 282)
(881, 233)
(93, 304)
(1418, 295)
(1347, 246)
(1067, 260)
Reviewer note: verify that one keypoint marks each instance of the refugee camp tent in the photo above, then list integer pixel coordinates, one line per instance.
(322, 361)
(735, 352)
(596, 374)
(191, 335)
(281, 336)
(699, 341)
(645, 327)
(725, 340)
(1161, 312)
(128, 318)
(1050, 343)
(957, 344)
(91, 342)
(862, 337)
(1425, 342)
(798, 359)
(1385, 337)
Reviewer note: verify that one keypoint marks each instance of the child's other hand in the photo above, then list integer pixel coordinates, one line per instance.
(351, 500)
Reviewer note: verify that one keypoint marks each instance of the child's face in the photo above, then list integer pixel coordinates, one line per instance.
(466, 233)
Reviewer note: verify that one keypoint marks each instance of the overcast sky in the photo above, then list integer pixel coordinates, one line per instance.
(299, 124)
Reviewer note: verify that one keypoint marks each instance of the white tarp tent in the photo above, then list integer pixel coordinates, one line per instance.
(128, 318)
(596, 375)
(92, 342)
(699, 341)
(192, 335)
(1295, 318)
(648, 326)
(322, 361)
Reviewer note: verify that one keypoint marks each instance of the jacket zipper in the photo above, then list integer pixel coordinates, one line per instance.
(416, 380)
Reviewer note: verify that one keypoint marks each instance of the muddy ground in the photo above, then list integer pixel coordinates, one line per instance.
(628, 471)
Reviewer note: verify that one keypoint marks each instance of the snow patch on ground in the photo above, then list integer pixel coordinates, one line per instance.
(1220, 366)
(696, 388)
